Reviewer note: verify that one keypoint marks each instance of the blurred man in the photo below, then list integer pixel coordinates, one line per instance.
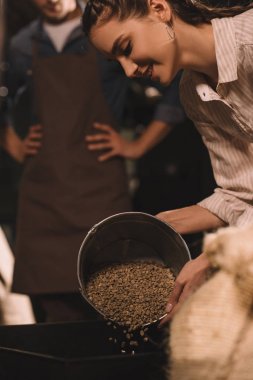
(64, 191)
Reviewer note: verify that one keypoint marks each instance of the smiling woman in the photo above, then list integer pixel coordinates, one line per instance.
(129, 41)
(214, 45)
(149, 47)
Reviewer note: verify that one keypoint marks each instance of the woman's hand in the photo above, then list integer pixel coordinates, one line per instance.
(110, 140)
(191, 277)
(188, 220)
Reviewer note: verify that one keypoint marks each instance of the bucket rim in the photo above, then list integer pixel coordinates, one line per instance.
(104, 221)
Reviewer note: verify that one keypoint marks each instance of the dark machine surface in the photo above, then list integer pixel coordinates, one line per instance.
(77, 350)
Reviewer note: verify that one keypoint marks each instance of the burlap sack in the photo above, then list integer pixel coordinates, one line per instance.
(212, 334)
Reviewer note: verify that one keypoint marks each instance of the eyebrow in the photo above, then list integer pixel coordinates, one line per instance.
(116, 45)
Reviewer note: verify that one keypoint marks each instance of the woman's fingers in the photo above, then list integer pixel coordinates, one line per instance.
(164, 321)
(174, 297)
(172, 302)
(182, 292)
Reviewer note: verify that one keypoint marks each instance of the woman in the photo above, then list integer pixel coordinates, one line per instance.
(156, 39)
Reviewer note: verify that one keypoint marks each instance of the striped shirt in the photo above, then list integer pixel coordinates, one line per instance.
(224, 118)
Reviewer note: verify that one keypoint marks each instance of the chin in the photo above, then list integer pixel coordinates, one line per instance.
(165, 82)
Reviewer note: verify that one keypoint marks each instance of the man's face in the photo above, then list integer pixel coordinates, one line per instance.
(55, 9)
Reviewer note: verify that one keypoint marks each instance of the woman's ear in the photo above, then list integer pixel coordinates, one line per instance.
(160, 9)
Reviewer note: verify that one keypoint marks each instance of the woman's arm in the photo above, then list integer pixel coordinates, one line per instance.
(191, 219)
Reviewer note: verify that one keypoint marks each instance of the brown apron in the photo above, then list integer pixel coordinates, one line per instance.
(64, 190)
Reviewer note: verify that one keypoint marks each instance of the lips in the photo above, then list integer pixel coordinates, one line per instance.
(148, 72)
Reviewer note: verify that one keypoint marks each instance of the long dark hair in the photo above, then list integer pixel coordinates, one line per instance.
(191, 11)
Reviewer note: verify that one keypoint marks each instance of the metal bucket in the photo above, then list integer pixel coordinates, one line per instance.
(128, 237)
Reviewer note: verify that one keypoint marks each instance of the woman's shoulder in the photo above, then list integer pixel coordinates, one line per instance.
(243, 25)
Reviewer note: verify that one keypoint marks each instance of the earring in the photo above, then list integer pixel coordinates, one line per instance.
(170, 31)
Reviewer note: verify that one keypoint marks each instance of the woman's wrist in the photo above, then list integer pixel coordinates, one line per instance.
(203, 261)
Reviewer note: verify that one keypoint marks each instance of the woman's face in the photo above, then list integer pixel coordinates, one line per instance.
(144, 47)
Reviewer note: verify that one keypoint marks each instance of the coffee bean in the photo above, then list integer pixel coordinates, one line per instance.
(131, 294)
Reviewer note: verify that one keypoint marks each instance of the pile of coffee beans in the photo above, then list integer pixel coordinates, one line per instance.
(131, 294)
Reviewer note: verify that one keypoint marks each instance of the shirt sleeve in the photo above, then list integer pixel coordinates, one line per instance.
(232, 161)
(229, 208)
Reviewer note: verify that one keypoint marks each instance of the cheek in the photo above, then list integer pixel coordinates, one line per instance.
(142, 53)
(149, 49)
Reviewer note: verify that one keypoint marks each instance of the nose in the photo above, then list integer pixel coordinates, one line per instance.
(130, 67)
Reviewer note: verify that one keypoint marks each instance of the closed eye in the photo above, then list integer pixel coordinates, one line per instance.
(128, 49)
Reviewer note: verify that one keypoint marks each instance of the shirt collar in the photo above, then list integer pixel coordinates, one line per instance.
(225, 48)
